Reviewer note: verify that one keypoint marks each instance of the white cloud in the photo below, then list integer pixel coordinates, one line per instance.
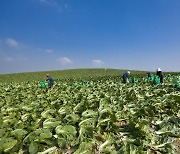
(9, 59)
(64, 61)
(53, 3)
(11, 42)
(97, 63)
(49, 50)
(39, 50)
(44, 50)
(22, 58)
(60, 6)
(66, 6)
(42, 0)
(13, 58)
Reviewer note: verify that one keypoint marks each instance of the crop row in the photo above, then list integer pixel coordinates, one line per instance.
(97, 116)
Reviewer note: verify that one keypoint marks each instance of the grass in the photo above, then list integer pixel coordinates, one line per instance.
(81, 74)
(63, 74)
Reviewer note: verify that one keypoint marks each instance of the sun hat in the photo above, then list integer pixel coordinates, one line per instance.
(158, 69)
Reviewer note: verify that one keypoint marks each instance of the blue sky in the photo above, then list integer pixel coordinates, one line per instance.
(42, 35)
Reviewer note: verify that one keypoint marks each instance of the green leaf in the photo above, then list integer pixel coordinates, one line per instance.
(32, 136)
(68, 129)
(45, 134)
(25, 117)
(85, 133)
(50, 123)
(79, 108)
(48, 113)
(66, 135)
(2, 132)
(71, 118)
(102, 146)
(53, 150)
(33, 148)
(90, 122)
(89, 114)
(9, 144)
(19, 133)
(85, 148)
(62, 143)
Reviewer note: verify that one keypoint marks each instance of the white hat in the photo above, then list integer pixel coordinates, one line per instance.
(128, 72)
(158, 69)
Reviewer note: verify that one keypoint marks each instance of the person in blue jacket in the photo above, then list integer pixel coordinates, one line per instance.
(125, 76)
(50, 79)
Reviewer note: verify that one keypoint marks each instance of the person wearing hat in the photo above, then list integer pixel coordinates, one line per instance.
(160, 75)
(50, 79)
(125, 76)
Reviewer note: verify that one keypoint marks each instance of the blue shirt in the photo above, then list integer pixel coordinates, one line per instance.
(125, 75)
(51, 80)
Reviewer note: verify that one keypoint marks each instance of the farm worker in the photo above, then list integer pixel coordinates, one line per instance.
(125, 76)
(50, 79)
(149, 76)
(160, 74)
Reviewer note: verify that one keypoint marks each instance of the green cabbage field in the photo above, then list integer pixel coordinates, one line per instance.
(91, 115)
